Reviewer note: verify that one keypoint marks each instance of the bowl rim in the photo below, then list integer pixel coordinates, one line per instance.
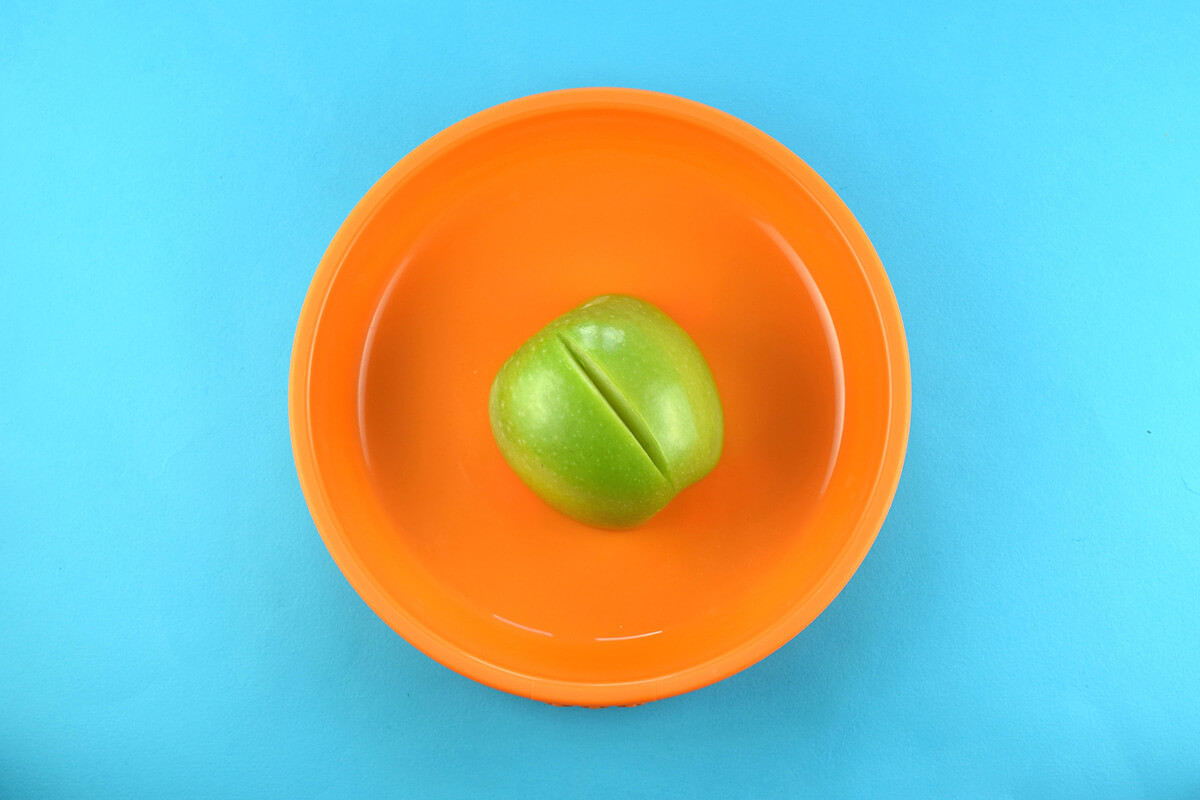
(806, 608)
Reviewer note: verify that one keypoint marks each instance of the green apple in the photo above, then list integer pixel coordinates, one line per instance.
(608, 412)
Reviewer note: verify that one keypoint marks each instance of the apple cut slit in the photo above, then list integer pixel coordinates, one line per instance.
(616, 400)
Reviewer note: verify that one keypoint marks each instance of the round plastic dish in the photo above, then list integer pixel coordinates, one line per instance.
(488, 231)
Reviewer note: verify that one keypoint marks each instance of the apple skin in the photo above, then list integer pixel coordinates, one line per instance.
(608, 412)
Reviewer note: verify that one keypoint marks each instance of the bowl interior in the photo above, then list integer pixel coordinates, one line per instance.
(466, 249)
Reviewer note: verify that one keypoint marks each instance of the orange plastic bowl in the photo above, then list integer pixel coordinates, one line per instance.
(472, 243)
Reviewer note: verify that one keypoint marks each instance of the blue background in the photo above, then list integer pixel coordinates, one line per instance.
(1028, 623)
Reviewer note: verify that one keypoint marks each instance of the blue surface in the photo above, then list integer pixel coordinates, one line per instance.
(1028, 623)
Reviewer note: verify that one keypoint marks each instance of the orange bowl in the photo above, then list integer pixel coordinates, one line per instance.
(488, 231)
